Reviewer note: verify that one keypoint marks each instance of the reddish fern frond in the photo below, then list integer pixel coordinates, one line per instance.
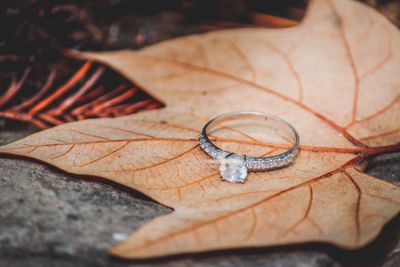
(91, 92)
(13, 89)
(61, 90)
(86, 87)
(42, 92)
(90, 105)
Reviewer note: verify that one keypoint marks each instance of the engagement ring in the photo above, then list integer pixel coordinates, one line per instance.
(234, 167)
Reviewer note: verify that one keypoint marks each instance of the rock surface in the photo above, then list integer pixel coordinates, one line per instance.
(49, 218)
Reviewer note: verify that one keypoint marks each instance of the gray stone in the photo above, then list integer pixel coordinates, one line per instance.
(49, 218)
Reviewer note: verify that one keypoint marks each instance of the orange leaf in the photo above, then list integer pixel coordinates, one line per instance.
(335, 77)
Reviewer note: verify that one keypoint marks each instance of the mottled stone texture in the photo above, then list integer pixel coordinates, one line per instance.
(49, 218)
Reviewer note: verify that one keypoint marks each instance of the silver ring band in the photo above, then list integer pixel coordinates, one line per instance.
(252, 163)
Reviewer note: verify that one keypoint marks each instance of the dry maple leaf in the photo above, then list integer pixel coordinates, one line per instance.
(335, 77)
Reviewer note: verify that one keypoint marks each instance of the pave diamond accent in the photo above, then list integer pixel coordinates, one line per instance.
(261, 164)
(210, 149)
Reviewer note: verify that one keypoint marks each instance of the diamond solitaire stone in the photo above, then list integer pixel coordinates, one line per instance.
(233, 169)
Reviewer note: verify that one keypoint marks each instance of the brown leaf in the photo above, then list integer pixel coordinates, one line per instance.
(335, 77)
